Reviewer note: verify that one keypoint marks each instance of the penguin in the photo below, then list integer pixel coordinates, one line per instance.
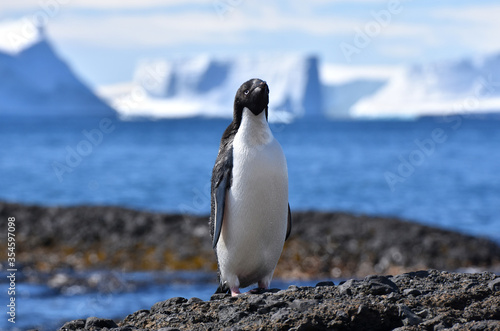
(250, 215)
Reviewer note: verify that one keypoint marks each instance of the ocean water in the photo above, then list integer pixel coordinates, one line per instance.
(441, 171)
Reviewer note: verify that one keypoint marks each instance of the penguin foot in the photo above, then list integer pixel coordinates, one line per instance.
(258, 290)
(235, 291)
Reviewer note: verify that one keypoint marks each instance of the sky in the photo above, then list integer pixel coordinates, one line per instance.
(103, 40)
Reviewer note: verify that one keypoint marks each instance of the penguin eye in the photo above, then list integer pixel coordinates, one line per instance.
(246, 92)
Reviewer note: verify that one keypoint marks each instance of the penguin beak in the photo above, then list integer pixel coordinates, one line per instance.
(261, 90)
(263, 85)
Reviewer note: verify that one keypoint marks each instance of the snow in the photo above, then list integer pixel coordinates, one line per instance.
(205, 86)
(334, 74)
(300, 86)
(445, 87)
(343, 86)
(17, 35)
(35, 81)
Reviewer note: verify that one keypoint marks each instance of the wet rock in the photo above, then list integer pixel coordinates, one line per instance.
(445, 302)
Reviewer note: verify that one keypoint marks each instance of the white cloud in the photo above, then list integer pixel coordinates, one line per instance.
(480, 14)
(138, 30)
(145, 29)
(472, 26)
(34, 5)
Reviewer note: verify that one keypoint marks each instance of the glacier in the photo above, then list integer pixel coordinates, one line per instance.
(35, 81)
(301, 86)
(463, 86)
(205, 86)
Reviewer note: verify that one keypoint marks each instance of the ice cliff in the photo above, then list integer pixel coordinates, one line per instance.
(464, 86)
(205, 86)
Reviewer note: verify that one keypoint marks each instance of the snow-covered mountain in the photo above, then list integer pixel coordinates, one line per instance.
(35, 81)
(205, 86)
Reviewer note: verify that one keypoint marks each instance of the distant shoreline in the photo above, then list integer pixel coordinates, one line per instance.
(322, 244)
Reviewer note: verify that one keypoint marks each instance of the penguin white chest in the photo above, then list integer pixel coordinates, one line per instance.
(255, 216)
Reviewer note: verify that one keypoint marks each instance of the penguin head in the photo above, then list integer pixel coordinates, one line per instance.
(252, 94)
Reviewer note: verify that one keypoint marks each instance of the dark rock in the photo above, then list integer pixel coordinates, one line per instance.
(73, 325)
(494, 285)
(381, 285)
(408, 316)
(219, 296)
(193, 300)
(99, 323)
(478, 326)
(327, 283)
(412, 291)
(348, 286)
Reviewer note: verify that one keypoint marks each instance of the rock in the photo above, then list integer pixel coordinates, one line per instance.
(494, 285)
(411, 291)
(99, 323)
(73, 325)
(91, 324)
(348, 286)
(408, 317)
(381, 285)
(374, 303)
(328, 283)
(322, 245)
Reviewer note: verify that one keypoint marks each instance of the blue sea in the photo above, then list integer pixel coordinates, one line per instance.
(439, 171)
(442, 171)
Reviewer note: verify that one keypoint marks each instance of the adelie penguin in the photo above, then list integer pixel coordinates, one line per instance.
(250, 217)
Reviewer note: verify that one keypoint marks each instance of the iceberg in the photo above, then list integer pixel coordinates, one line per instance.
(344, 86)
(440, 88)
(35, 81)
(206, 86)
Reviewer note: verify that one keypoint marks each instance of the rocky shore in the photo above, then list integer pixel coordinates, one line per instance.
(52, 240)
(322, 245)
(424, 300)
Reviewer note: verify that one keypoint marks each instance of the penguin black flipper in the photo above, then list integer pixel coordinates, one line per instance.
(289, 223)
(220, 203)
(221, 181)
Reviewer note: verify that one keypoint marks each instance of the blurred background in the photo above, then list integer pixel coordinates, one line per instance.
(387, 108)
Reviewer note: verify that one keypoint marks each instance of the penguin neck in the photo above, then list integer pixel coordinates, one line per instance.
(254, 129)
